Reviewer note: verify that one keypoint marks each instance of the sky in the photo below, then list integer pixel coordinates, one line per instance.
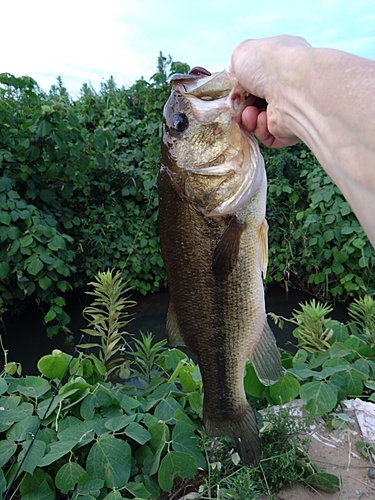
(87, 41)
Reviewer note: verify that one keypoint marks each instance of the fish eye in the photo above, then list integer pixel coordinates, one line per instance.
(179, 123)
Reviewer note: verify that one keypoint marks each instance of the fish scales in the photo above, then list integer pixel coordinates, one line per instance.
(214, 265)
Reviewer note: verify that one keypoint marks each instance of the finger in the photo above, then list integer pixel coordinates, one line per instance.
(262, 133)
(249, 118)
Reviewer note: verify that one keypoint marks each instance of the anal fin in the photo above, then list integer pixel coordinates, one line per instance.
(174, 336)
(266, 357)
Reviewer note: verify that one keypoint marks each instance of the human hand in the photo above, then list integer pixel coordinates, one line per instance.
(264, 68)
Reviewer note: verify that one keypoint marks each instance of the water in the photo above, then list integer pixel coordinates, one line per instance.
(26, 340)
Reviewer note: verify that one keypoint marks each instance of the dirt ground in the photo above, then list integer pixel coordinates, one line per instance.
(336, 452)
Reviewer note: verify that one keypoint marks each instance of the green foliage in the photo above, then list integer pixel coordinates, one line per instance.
(93, 438)
(362, 312)
(108, 316)
(77, 188)
(78, 196)
(96, 437)
(316, 242)
(334, 360)
(284, 461)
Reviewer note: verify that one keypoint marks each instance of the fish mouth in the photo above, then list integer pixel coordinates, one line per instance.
(200, 89)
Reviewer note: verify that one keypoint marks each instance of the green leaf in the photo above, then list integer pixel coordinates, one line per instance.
(88, 405)
(115, 495)
(35, 454)
(366, 449)
(139, 490)
(285, 390)
(110, 459)
(56, 243)
(98, 365)
(320, 398)
(5, 218)
(54, 365)
(3, 481)
(252, 384)
(44, 128)
(69, 475)
(160, 435)
(115, 424)
(37, 486)
(324, 481)
(23, 429)
(195, 401)
(4, 270)
(128, 403)
(186, 378)
(45, 282)
(26, 241)
(82, 433)
(3, 385)
(339, 350)
(51, 315)
(9, 417)
(55, 451)
(370, 384)
(90, 489)
(184, 439)
(7, 449)
(138, 433)
(175, 465)
(35, 266)
(166, 409)
(354, 382)
(34, 387)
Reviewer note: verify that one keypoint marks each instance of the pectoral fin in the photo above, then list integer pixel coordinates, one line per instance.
(266, 357)
(263, 244)
(173, 330)
(225, 254)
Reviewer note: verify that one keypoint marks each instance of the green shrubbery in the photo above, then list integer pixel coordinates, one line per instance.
(77, 188)
(89, 438)
(78, 195)
(316, 243)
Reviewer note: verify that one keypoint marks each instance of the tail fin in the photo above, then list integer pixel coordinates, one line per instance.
(266, 358)
(242, 428)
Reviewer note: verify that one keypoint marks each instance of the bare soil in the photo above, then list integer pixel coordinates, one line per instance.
(336, 452)
(333, 452)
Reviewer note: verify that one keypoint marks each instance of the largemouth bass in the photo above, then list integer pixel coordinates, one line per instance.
(212, 200)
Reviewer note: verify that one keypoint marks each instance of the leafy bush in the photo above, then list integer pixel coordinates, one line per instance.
(87, 437)
(78, 196)
(77, 188)
(316, 243)
(90, 438)
(97, 437)
(334, 361)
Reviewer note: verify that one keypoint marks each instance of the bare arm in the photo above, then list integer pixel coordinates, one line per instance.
(323, 97)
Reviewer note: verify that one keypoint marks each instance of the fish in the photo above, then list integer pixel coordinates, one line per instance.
(213, 233)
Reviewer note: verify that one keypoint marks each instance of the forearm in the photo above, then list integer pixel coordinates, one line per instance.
(331, 107)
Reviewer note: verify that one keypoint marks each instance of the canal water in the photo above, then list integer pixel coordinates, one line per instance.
(24, 335)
